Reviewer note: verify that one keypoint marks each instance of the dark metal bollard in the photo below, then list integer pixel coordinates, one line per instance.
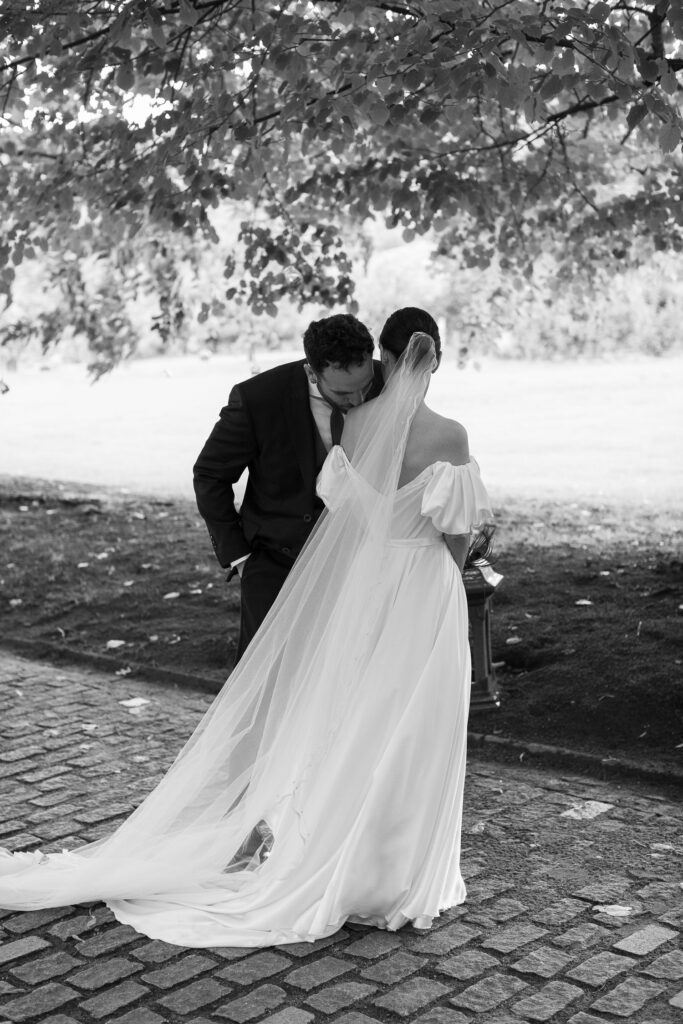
(480, 583)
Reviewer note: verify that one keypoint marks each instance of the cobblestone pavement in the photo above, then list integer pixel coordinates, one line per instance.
(574, 909)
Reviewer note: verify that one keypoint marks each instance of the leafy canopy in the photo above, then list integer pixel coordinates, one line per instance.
(507, 127)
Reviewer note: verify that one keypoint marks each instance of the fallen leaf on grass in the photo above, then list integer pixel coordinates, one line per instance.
(129, 583)
(83, 565)
(583, 601)
(171, 596)
(15, 602)
(134, 702)
(514, 640)
(585, 810)
(111, 645)
(123, 671)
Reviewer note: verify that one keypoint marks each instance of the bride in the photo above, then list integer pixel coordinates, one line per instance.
(325, 782)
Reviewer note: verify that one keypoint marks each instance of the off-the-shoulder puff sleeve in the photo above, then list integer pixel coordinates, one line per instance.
(455, 498)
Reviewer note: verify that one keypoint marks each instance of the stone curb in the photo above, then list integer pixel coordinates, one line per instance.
(44, 650)
(495, 748)
(504, 748)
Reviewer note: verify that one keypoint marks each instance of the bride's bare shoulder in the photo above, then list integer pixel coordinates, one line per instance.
(353, 426)
(449, 441)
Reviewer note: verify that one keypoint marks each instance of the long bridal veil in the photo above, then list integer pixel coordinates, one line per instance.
(254, 764)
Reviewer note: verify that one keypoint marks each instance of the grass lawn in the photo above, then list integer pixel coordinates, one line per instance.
(587, 620)
(605, 431)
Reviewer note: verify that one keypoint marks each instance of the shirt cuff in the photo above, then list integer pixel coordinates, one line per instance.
(238, 561)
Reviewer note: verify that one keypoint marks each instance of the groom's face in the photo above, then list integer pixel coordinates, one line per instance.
(345, 387)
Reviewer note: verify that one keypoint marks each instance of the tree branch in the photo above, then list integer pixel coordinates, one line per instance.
(581, 107)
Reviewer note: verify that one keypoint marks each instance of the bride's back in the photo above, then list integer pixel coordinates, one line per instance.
(432, 438)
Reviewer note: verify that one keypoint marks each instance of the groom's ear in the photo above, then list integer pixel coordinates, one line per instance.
(310, 373)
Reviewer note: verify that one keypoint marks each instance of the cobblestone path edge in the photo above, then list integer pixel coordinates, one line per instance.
(493, 747)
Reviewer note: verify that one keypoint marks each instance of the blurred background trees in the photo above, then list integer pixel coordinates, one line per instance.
(189, 172)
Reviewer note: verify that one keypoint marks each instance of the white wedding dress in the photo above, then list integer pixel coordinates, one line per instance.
(344, 768)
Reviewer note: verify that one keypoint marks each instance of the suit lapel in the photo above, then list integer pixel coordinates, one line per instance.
(297, 410)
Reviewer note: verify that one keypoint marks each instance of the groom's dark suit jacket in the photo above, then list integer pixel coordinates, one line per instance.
(267, 426)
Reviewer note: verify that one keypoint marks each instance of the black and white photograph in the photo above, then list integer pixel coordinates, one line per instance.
(341, 512)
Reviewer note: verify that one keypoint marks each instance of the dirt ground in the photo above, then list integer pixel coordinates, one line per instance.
(586, 625)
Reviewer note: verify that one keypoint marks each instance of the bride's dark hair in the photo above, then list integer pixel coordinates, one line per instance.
(402, 324)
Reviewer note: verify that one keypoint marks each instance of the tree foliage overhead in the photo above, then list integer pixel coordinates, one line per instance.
(504, 126)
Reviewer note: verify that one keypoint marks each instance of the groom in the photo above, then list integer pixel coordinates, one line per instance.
(280, 425)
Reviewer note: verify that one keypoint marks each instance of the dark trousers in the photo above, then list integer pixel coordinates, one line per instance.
(262, 579)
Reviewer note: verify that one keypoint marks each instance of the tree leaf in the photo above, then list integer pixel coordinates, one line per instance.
(378, 111)
(600, 12)
(189, 15)
(636, 115)
(125, 76)
(669, 137)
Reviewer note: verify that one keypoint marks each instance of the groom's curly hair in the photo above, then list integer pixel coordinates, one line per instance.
(340, 339)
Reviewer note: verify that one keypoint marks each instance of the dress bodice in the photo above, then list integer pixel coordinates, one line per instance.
(443, 498)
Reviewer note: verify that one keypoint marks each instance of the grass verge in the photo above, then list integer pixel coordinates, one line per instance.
(587, 621)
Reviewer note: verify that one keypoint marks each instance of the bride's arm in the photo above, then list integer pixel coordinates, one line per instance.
(458, 545)
(459, 452)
